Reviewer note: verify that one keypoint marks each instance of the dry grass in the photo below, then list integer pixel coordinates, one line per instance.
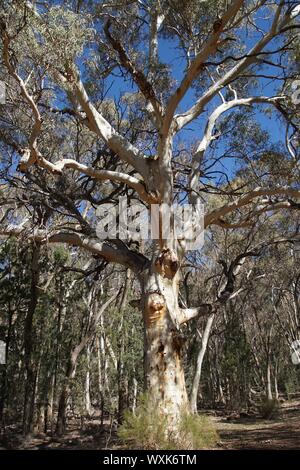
(148, 429)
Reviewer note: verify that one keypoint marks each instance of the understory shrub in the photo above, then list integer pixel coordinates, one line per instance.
(269, 408)
(147, 428)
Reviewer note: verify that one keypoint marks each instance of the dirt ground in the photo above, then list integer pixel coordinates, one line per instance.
(235, 433)
(256, 433)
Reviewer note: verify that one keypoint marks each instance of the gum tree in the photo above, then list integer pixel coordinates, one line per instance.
(95, 110)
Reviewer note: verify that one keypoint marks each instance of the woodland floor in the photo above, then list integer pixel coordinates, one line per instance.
(235, 433)
(283, 432)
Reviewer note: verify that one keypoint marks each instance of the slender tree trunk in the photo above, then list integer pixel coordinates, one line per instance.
(276, 381)
(122, 388)
(268, 381)
(122, 378)
(88, 405)
(70, 373)
(101, 373)
(61, 316)
(49, 398)
(197, 376)
(30, 384)
(4, 391)
(65, 394)
(135, 393)
(221, 398)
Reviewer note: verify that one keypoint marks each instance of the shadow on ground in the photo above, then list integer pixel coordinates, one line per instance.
(255, 433)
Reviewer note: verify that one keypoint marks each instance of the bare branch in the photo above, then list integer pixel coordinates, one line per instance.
(196, 66)
(138, 76)
(120, 254)
(31, 155)
(215, 215)
(98, 124)
(99, 175)
(208, 133)
(183, 119)
(187, 314)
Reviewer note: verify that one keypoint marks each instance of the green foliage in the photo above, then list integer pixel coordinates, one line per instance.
(291, 381)
(145, 429)
(199, 431)
(61, 255)
(269, 408)
(236, 359)
(149, 429)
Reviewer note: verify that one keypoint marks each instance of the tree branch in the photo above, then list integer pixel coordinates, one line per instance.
(31, 155)
(185, 118)
(138, 76)
(99, 175)
(215, 215)
(208, 133)
(197, 65)
(98, 124)
(122, 255)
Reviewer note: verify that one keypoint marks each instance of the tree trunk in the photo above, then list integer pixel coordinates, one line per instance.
(164, 375)
(101, 375)
(276, 381)
(135, 393)
(30, 384)
(49, 399)
(65, 393)
(122, 378)
(268, 382)
(197, 376)
(4, 387)
(88, 405)
(70, 373)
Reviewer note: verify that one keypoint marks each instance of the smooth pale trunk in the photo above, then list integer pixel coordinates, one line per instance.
(201, 354)
(164, 375)
(88, 405)
(135, 394)
(276, 382)
(269, 383)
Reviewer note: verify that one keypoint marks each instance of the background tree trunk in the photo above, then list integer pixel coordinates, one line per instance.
(88, 405)
(269, 381)
(197, 376)
(65, 393)
(30, 383)
(122, 377)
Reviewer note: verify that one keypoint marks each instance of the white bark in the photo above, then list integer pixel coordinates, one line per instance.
(88, 405)
(250, 58)
(121, 255)
(195, 68)
(164, 374)
(214, 216)
(126, 151)
(200, 357)
(269, 381)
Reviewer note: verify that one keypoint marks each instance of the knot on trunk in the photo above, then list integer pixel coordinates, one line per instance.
(155, 309)
(167, 263)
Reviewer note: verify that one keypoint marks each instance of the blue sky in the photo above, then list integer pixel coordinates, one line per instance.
(169, 55)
